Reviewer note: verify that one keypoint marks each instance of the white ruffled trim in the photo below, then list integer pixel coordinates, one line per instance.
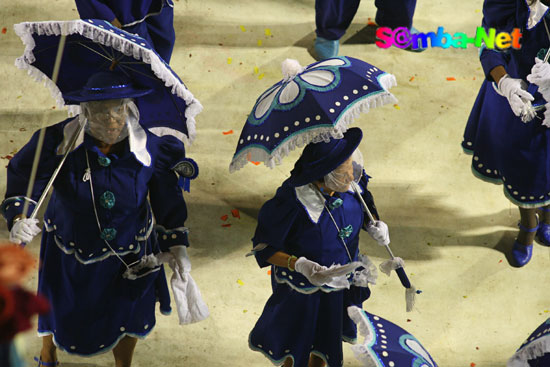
(27, 29)
(313, 203)
(537, 10)
(317, 135)
(362, 351)
(533, 350)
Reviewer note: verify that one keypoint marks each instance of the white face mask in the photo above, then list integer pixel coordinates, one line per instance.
(351, 170)
(107, 120)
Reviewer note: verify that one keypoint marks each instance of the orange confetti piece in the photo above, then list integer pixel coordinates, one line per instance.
(500, 261)
(229, 132)
(269, 272)
(224, 217)
(451, 78)
(255, 163)
(370, 22)
(411, 79)
(474, 78)
(4, 30)
(235, 213)
(472, 364)
(226, 225)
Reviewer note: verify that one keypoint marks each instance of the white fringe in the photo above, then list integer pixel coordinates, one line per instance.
(361, 351)
(410, 297)
(533, 350)
(27, 29)
(316, 135)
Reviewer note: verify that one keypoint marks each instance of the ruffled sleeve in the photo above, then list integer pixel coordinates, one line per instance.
(501, 15)
(276, 220)
(166, 196)
(19, 172)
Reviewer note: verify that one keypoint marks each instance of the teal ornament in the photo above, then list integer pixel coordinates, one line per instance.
(345, 232)
(107, 200)
(108, 234)
(335, 204)
(542, 53)
(103, 161)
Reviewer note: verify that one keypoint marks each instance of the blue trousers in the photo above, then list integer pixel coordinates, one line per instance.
(159, 31)
(333, 17)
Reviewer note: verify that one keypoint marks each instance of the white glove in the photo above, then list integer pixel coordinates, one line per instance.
(540, 74)
(379, 232)
(546, 121)
(515, 91)
(319, 275)
(189, 303)
(24, 230)
(180, 256)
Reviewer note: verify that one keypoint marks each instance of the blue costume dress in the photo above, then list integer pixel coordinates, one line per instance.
(333, 17)
(300, 318)
(92, 304)
(150, 19)
(505, 150)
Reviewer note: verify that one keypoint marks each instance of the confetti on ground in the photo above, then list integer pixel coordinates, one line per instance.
(22, 129)
(226, 225)
(4, 30)
(370, 22)
(240, 282)
(451, 78)
(418, 291)
(190, 55)
(18, 97)
(408, 320)
(269, 272)
(229, 60)
(260, 42)
(474, 78)
(224, 217)
(255, 163)
(477, 10)
(256, 70)
(267, 32)
(242, 28)
(53, 107)
(235, 213)
(545, 311)
(464, 296)
(245, 311)
(428, 243)
(500, 261)
(396, 106)
(8, 157)
(477, 348)
(411, 79)
(261, 76)
(229, 132)
(472, 364)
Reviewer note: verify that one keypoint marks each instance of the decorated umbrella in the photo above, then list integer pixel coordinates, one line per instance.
(535, 351)
(313, 104)
(64, 54)
(386, 344)
(91, 46)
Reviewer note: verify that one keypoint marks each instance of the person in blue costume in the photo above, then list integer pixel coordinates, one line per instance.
(150, 19)
(333, 17)
(312, 223)
(504, 133)
(99, 222)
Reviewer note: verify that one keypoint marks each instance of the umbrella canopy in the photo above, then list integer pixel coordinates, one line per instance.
(386, 344)
(310, 104)
(95, 45)
(535, 351)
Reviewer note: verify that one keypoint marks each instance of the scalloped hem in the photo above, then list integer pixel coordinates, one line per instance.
(536, 349)
(102, 351)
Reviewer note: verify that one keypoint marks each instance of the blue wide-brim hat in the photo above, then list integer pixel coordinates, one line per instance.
(319, 159)
(105, 85)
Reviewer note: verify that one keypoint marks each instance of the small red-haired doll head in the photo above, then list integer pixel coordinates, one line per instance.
(15, 264)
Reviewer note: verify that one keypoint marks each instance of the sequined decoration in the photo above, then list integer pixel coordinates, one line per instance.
(108, 234)
(103, 161)
(335, 204)
(107, 200)
(345, 232)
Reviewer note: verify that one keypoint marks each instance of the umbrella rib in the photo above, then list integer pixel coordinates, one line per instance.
(112, 55)
(91, 49)
(139, 72)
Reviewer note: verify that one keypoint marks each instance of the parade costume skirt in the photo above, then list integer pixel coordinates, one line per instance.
(92, 306)
(295, 324)
(507, 151)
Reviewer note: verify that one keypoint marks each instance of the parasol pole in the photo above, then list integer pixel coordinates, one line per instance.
(410, 289)
(40, 142)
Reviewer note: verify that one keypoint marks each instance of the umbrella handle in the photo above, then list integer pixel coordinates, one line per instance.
(403, 277)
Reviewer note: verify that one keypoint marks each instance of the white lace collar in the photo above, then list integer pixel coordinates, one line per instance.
(312, 200)
(537, 10)
(136, 136)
